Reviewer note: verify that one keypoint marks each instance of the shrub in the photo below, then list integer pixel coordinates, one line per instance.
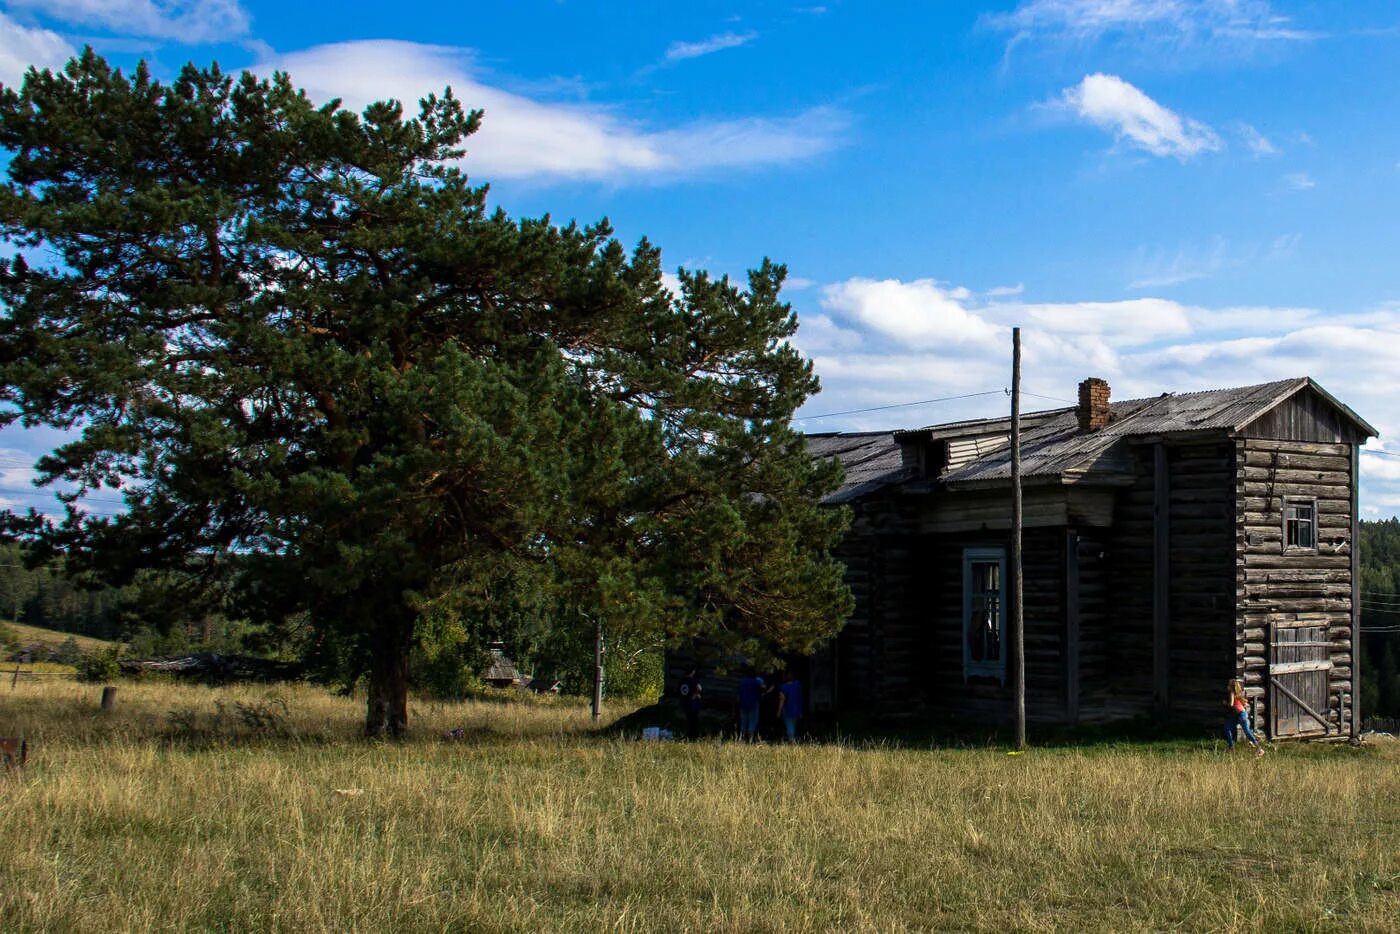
(99, 666)
(444, 676)
(262, 719)
(268, 718)
(68, 653)
(8, 636)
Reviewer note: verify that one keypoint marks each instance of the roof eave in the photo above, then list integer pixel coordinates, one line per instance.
(1067, 478)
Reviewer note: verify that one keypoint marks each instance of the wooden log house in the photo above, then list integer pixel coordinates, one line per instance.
(1170, 544)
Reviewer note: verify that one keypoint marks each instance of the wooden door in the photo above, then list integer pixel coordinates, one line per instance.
(1300, 668)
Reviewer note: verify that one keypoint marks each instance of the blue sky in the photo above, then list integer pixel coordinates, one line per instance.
(1171, 194)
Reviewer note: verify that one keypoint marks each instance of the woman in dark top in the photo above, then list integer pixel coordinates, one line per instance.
(790, 705)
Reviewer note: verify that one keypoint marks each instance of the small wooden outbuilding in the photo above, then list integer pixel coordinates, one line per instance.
(501, 671)
(1170, 544)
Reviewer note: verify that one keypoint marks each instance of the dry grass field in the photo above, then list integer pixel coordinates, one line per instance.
(176, 813)
(27, 634)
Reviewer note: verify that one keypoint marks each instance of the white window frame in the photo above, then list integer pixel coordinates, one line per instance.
(1293, 502)
(984, 669)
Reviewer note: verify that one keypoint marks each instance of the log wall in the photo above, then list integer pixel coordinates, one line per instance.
(1196, 523)
(877, 648)
(1095, 621)
(1201, 587)
(1129, 573)
(1274, 586)
(945, 689)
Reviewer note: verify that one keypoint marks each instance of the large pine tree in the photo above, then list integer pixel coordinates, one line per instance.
(298, 342)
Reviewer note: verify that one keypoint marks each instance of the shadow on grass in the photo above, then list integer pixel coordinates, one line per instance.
(928, 731)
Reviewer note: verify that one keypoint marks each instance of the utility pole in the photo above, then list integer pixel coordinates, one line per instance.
(597, 669)
(1018, 628)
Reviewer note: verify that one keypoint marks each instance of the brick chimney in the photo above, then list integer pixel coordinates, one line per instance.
(1093, 404)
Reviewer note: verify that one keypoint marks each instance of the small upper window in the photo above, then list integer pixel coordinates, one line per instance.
(1300, 524)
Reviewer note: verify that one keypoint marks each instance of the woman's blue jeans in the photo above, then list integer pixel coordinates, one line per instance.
(1238, 718)
(748, 721)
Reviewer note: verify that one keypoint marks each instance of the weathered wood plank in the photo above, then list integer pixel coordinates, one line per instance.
(1291, 460)
(1296, 447)
(1279, 476)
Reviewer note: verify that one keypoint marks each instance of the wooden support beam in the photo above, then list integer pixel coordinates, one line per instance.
(1018, 628)
(1072, 625)
(1326, 727)
(1355, 683)
(1161, 581)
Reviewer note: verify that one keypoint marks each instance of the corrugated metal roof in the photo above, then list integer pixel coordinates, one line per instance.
(872, 459)
(1057, 447)
(1052, 444)
(501, 668)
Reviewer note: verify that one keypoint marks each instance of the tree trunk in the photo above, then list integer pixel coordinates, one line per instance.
(386, 713)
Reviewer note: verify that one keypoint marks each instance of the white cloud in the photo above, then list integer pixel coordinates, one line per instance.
(1124, 323)
(879, 342)
(23, 46)
(1174, 22)
(181, 20)
(1188, 263)
(1380, 466)
(1255, 142)
(525, 138)
(1284, 246)
(919, 313)
(1299, 181)
(1002, 291)
(679, 51)
(1113, 104)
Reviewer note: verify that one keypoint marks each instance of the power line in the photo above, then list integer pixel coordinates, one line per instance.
(1049, 398)
(1381, 453)
(901, 405)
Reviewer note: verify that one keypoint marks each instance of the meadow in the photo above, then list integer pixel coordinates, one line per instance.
(24, 634)
(257, 808)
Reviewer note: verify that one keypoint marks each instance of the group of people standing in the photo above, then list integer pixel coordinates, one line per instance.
(760, 706)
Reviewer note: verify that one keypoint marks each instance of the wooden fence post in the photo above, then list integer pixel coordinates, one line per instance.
(109, 698)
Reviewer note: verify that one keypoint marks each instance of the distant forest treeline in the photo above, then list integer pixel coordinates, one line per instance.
(1380, 618)
(153, 623)
(44, 596)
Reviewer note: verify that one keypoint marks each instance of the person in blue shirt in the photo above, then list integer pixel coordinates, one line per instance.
(790, 705)
(750, 692)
